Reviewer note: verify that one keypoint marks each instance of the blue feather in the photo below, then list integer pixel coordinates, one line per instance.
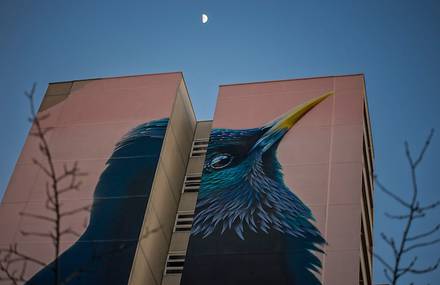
(247, 195)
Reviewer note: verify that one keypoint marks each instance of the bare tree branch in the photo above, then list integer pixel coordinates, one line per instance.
(404, 270)
(422, 244)
(41, 166)
(391, 194)
(426, 234)
(13, 250)
(426, 269)
(395, 270)
(69, 231)
(40, 217)
(37, 234)
(390, 242)
(53, 191)
(387, 275)
(430, 206)
(425, 147)
(384, 263)
(403, 217)
(75, 211)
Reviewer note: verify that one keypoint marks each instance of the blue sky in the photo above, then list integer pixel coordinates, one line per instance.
(395, 43)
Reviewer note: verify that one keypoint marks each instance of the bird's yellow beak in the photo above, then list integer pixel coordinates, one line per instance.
(289, 119)
(280, 126)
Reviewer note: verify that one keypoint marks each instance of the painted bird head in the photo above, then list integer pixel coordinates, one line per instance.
(242, 185)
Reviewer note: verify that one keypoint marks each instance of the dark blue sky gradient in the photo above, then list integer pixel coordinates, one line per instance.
(395, 43)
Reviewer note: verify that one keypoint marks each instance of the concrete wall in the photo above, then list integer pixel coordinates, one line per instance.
(180, 239)
(157, 230)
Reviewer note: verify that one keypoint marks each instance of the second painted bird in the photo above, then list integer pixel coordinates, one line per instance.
(249, 227)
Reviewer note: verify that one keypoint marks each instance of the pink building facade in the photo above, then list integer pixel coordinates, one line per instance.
(139, 143)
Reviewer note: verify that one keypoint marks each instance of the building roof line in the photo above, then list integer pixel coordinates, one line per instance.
(120, 76)
(291, 79)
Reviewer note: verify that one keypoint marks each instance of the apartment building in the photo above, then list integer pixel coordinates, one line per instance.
(276, 189)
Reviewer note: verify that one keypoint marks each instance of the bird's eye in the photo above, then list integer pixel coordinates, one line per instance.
(221, 161)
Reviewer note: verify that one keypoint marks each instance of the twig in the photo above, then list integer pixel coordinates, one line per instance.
(393, 272)
(53, 203)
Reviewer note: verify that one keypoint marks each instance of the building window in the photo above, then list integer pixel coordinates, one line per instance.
(199, 147)
(175, 262)
(184, 221)
(192, 183)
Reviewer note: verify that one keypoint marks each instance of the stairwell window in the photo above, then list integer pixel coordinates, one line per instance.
(192, 183)
(184, 221)
(175, 263)
(199, 147)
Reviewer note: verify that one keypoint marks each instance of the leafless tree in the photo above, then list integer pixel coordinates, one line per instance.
(404, 246)
(13, 262)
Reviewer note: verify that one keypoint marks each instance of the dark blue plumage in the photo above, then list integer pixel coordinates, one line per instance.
(104, 253)
(259, 231)
(249, 192)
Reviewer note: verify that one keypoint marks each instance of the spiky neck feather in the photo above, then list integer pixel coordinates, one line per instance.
(250, 196)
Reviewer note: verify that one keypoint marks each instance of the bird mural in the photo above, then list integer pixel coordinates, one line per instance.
(249, 227)
(104, 252)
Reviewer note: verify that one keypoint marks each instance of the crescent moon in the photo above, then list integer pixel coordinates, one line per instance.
(204, 18)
